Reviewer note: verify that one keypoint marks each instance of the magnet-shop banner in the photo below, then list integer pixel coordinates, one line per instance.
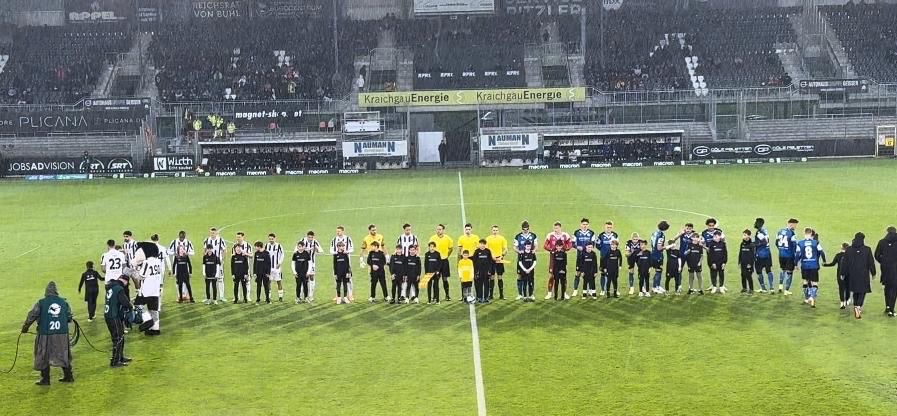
(94, 120)
(54, 166)
(98, 11)
(783, 148)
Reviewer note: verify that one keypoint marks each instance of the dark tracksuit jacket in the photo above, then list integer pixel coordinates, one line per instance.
(717, 254)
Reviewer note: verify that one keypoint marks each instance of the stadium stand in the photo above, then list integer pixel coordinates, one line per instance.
(57, 65)
(470, 52)
(651, 49)
(247, 61)
(869, 36)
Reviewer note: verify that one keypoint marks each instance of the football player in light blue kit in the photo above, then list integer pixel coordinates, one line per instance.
(762, 255)
(786, 242)
(808, 255)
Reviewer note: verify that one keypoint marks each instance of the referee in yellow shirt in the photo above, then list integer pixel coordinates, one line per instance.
(468, 242)
(498, 246)
(371, 237)
(445, 246)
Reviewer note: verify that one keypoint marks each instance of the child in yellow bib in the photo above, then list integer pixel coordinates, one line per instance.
(465, 271)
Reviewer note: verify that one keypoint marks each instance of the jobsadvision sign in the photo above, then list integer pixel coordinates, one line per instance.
(472, 97)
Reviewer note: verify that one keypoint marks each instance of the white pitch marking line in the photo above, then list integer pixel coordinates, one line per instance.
(474, 330)
(27, 252)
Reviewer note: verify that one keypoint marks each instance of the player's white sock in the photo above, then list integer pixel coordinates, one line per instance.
(311, 289)
(280, 293)
(221, 295)
(249, 290)
(350, 288)
(404, 289)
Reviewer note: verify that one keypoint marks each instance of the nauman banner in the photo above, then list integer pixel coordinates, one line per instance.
(472, 97)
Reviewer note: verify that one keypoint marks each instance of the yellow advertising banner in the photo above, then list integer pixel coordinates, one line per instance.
(472, 97)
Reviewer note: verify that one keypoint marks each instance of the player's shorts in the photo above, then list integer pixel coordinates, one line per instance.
(220, 273)
(810, 275)
(786, 264)
(311, 268)
(151, 302)
(630, 261)
(444, 269)
(697, 268)
(276, 276)
(499, 269)
(763, 263)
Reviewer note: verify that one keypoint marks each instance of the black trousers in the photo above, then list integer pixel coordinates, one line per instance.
(239, 282)
(588, 282)
(302, 286)
(184, 287)
(481, 287)
(260, 283)
(342, 286)
(378, 278)
(747, 280)
(412, 287)
(890, 296)
(211, 288)
(527, 284)
(560, 285)
(396, 287)
(644, 281)
(676, 277)
(433, 289)
(91, 297)
(717, 275)
(117, 333)
(843, 289)
(612, 281)
(859, 298)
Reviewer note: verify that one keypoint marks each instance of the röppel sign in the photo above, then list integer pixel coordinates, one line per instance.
(24, 166)
(786, 148)
(98, 11)
(472, 97)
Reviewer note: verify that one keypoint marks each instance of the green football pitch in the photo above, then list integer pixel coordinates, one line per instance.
(716, 354)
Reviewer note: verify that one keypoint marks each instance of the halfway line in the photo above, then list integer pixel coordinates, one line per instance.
(474, 330)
